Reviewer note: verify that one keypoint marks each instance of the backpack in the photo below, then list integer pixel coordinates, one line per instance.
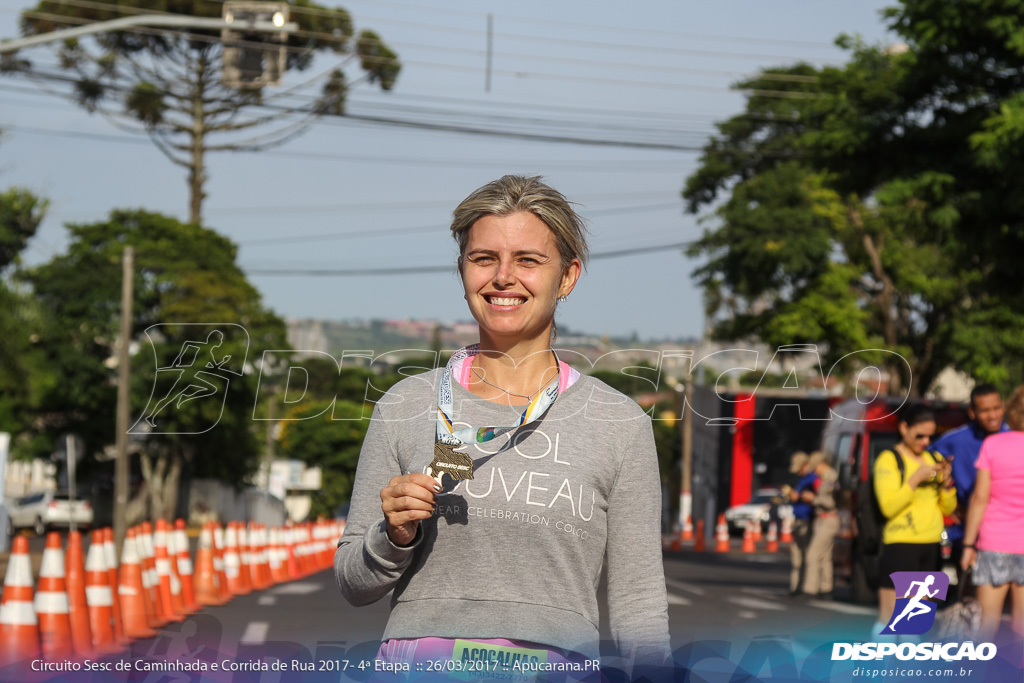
(870, 520)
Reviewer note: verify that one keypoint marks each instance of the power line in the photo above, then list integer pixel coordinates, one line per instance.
(419, 270)
(388, 232)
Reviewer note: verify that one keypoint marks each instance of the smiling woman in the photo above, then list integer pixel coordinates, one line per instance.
(552, 476)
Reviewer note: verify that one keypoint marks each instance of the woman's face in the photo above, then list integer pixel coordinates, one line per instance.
(918, 437)
(513, 276)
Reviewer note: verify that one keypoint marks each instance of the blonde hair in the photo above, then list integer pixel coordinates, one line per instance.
(1015, 409)
(514, 193)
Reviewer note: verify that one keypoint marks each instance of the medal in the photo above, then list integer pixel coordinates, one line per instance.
(459, 465)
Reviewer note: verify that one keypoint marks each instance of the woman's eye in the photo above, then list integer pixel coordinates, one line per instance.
(529, 261)
(481, 260)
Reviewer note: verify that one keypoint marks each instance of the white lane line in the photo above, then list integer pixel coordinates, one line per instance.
(843, 608)
(755, 603)
(746, 614)
(674, 599)
(689, 588)
(297, 588)
(763, 591)
(255, 632)
(266, 600)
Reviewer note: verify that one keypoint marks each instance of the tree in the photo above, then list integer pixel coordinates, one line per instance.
(21, 212)
(168, 83)
(184, 273)
(872, 205)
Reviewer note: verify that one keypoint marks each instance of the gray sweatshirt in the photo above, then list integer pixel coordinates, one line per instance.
(517, 551)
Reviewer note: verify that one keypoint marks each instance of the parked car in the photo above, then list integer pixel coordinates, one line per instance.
(758, 508)
(46, 510)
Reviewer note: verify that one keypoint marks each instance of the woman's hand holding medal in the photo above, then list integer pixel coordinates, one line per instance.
(405, 501)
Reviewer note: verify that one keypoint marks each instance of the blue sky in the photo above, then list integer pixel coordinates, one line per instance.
(654, 71)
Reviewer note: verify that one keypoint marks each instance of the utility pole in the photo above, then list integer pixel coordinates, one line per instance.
(123, 404)
(686, 495)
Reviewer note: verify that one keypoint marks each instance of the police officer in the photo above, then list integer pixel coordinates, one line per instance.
(802, 497)
(818, 576)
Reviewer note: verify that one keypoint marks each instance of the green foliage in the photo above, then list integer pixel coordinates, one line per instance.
(184, 273)
(877, 204)
(329, 438)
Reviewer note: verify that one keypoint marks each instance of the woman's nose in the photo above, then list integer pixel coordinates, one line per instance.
(505, 275)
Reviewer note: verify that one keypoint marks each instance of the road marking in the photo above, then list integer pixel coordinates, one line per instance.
(746, 614)
(689, 588)
(266, 600)
(763, 591)
(843, 608)
(674, 599)
(755, 603)
(255, 632)
(298, 588)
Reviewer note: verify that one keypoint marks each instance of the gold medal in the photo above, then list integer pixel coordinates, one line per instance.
(449, 461)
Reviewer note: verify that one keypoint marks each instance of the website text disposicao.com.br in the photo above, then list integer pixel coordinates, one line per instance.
(910, 672)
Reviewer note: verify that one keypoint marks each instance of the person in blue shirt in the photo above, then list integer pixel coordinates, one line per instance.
(802, 497)
(963, 444)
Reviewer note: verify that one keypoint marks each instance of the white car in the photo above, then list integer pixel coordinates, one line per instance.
(759, 509)
(45, 510)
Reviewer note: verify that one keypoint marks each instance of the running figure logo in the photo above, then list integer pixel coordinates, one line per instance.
(914, 613)
(200, 371)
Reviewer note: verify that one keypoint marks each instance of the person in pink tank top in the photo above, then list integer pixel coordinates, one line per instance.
(993, 543)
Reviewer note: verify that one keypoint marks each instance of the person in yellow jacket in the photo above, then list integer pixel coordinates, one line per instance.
(914, 498)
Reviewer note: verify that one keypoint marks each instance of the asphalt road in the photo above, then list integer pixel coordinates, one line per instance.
(734, 601)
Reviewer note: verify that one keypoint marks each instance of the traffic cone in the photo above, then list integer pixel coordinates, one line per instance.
(51, 603)
(687, 534)
(232, 563)
(164, 577)
(19, 628)
(722, 535)
(773, 538)
(132, 595)
(206, 585)
(748, 537)
(219, 566)
(184, 565)
(177, 588)
(99, 599)
(787, 530)
(258, 555)
(293, 560)
(699, 544)
(78, 606)
(244, 557)
(110, 555)
(278, 569)
(147, 556)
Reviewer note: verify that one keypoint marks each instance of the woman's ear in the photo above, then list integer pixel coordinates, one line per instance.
(570, 277)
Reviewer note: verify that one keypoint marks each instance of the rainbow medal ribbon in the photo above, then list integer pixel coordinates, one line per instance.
(459, 465)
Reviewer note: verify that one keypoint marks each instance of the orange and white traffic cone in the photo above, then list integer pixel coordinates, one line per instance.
(110, 556)
(722, 535)
(184, 566)
(244, 557)
(219, 566)
(52, 603)
(687, 534)
(99, 598)
(772, 545)
(132, 595)
(748, 537)
(232, 562)
(291, 536)
(278, 570)
(163, 574)
(787, 529)
(78, 605)
(206, 584)
(257, 556)
(699, 545)
(19, 628)
(177, 588)
(147, 556)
